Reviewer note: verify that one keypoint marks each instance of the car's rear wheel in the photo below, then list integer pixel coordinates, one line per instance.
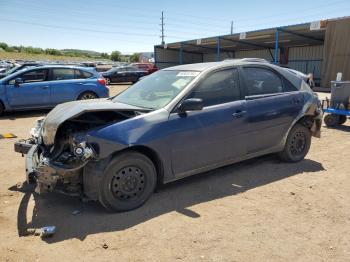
(128, 181)
(342, 120)
(331, 120)
(87, 95)
(297, 144)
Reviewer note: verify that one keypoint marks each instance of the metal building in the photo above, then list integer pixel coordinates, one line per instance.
(307, 47)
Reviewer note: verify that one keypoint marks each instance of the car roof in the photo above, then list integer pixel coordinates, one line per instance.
(209, 66)
(229, 62)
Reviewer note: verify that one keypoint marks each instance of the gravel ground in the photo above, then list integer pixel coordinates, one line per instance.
(258, 210)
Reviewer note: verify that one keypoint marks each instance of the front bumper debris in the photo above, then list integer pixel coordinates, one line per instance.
(23, 146)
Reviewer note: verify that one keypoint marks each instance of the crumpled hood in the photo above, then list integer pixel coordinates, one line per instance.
(65, 111)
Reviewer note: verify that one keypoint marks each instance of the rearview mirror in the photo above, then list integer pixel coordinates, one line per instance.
(191, 104)
(18, 81)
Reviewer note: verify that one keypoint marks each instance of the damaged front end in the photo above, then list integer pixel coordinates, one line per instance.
(55, 157)
(57, 167)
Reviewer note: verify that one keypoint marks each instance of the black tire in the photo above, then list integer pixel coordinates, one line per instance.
(2, 108)
(108, 81)
(87, 95)
(342, 120)
(128, 181)
(297, 144)
(331, 120)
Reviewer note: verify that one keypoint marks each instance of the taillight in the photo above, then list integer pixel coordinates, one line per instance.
(102, 81)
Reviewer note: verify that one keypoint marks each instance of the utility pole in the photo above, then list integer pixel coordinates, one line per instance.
(162, 28)
(231, 27)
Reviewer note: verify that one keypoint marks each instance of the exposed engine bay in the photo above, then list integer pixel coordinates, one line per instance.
(59, 166)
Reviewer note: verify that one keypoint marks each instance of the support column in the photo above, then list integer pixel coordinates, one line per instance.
(218, 56)
(181, 55)
(276, 46)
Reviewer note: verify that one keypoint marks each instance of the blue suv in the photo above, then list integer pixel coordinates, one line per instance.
(47, 86)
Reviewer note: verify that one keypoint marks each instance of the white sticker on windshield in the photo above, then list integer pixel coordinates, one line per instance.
(187, 73)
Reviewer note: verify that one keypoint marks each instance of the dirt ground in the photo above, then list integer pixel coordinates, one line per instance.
(258, 210)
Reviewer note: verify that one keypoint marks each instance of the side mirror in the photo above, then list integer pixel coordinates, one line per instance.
(191, 104)
(18, 81)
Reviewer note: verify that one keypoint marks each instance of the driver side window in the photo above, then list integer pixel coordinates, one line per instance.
(33, 76)
(219, 88)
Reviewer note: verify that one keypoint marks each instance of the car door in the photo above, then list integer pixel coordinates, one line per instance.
(34, 92)
(64, 85)
(271, 108)
(121, 75)
(214, 135)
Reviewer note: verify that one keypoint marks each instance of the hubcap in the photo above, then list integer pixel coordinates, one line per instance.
(128, 183)
(298, 143)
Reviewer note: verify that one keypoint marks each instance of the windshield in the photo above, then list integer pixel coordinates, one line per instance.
(156, 90)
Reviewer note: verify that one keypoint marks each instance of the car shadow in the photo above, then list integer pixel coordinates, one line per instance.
(24, 114)
(56, 209)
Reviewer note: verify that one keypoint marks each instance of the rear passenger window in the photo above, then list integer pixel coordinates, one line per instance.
(260, 81)
(288, 87)
(62, 74)
(80, 74)
(220, 87)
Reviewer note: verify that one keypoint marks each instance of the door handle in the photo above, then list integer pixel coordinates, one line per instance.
(239, 114)
(45, 87)
(80, 83)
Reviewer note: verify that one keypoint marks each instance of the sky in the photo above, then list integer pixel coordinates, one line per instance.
(134, 26)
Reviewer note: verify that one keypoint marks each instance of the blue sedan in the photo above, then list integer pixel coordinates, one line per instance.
(177, 122)
(47, 86)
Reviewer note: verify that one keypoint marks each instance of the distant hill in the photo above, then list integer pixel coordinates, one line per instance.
(83, 52)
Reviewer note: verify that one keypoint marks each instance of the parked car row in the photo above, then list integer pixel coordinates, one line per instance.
(47, 86)
(36, 85)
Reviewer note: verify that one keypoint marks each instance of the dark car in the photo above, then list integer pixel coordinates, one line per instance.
(18, 68)
(149, 67)
(47, 86)
(172, 124)
(123, 74)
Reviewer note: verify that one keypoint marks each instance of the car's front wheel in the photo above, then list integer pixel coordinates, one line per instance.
(297, 144)
(129, 180)
(108, 81)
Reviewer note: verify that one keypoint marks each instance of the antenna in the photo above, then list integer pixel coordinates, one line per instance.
(231, 27)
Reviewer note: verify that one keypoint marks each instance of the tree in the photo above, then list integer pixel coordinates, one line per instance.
(115, 56)
(105, 55)
(135, 57)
